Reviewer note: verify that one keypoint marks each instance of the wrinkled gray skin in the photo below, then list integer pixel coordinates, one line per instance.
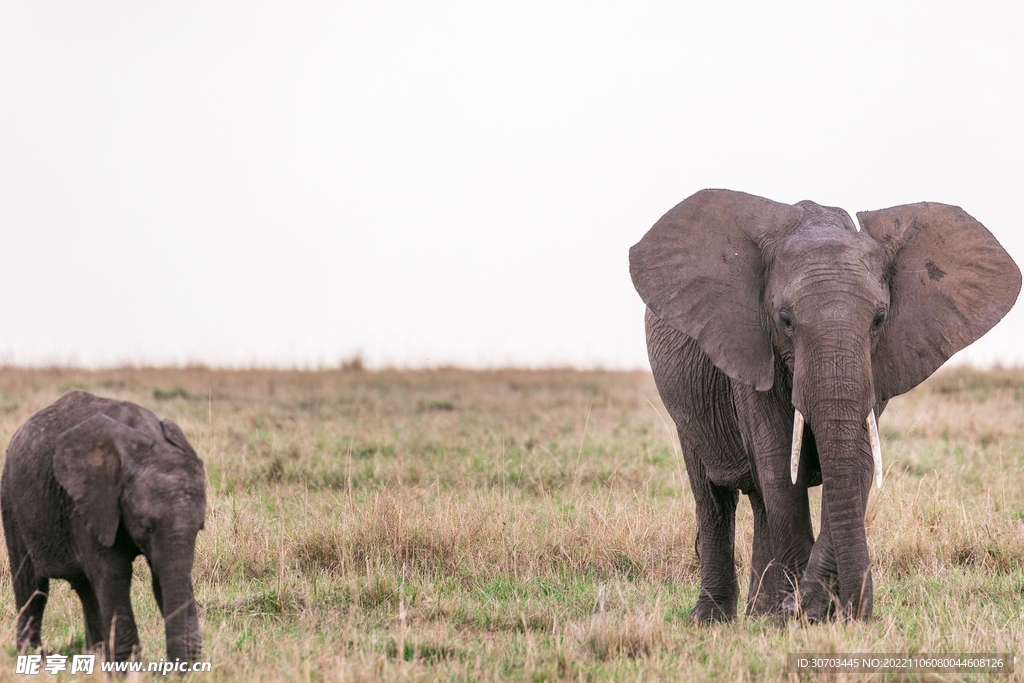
(756, 307)
(89, 484)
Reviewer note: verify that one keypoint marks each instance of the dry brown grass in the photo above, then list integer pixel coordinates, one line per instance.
(631, 634)
(418, 525)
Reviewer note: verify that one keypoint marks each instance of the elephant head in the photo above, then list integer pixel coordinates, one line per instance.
(855, 317)
(154, 489)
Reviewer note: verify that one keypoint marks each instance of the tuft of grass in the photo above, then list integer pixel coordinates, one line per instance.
(633, 634)
(177, 391)
(438, 405)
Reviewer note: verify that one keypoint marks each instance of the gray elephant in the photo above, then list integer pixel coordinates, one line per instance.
(776, 334)
(89, 484)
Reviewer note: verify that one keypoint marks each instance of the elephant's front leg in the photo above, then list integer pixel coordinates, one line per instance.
(783, 535)
(780, 552)
(91, 609)
(716, 538)
(783, 541)
(819, 585)
(111, 578)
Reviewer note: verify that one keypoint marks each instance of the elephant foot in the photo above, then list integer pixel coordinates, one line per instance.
(28, 634)
(815, 606)
(768, 592)
(707, 611)
(775, 612)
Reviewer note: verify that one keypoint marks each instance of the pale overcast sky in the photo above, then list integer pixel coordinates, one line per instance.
(291, 183)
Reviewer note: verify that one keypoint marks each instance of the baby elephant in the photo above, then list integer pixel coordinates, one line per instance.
(89, 484)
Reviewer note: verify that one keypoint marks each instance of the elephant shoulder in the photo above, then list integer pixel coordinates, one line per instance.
(688, 381)
(677, 359)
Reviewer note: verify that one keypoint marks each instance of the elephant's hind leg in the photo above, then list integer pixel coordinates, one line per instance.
(30, 596)
(30, 591)
(761, 595)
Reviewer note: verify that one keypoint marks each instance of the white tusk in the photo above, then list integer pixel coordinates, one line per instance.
(798, 441)
(876, 446)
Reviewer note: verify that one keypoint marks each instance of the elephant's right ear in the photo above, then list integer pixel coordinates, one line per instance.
(701, 270)
(87, 463)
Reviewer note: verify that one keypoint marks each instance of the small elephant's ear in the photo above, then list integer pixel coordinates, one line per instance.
(173, 434)
(87, 463)
(700, 269)
(950, 281)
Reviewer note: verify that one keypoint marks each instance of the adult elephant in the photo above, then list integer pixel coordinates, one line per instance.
(776, 334)
(89, 484)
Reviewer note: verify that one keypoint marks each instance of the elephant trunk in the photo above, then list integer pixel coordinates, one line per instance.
(836, 395)
(846, 480)
(178, 604)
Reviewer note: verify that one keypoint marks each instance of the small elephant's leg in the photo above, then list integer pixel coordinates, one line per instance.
(30, 595)
(716, 537)
(157, 592)
(31, 602)
(117, 620)
(91, 610)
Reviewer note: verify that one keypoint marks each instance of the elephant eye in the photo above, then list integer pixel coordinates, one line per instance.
(879, 320)
(786, 320)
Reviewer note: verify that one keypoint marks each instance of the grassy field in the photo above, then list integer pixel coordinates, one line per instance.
(537, 525)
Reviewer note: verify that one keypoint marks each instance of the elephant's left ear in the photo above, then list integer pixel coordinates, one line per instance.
(950, 282)
(87, 464)
(172, 432)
